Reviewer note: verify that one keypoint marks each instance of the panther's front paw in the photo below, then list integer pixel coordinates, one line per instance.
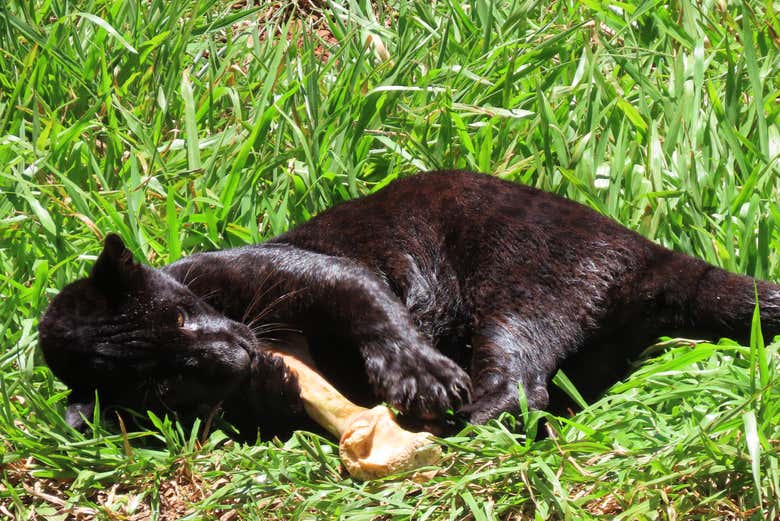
(274, 384)
(424, 385)
(495, 394)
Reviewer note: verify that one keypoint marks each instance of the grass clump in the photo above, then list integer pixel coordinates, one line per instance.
(193, 125)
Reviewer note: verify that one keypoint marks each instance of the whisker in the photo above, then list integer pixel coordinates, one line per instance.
(209, 294)
(261, 327)
(281, 328)
(194, 279)
(187, 274)
(259, 294)
(279, 300)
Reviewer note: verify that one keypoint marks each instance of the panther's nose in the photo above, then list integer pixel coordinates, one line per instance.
(246, 346)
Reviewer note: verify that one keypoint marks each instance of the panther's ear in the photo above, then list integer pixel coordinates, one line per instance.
(115, 268)
(78, 412)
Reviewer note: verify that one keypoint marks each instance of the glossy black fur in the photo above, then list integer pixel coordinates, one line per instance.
(443, 290)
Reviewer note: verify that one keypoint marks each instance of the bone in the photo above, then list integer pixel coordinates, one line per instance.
(371, 443)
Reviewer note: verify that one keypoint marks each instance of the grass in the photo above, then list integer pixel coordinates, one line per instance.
(187, 125)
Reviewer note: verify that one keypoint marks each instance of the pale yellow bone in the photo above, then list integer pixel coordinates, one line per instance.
(372, 445)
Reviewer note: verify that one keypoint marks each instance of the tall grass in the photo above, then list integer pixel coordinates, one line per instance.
(187, 125)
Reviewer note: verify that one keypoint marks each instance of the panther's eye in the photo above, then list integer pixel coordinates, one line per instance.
(180, 317)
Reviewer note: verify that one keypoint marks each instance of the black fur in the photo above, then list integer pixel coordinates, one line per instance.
(442, 291)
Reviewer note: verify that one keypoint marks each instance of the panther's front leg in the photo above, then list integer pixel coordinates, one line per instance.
(334, 297)
(402, 366)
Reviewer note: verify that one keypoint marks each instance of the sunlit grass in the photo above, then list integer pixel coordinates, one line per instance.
(187, 125)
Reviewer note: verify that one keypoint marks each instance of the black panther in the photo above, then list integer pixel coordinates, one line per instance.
(441, 292)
